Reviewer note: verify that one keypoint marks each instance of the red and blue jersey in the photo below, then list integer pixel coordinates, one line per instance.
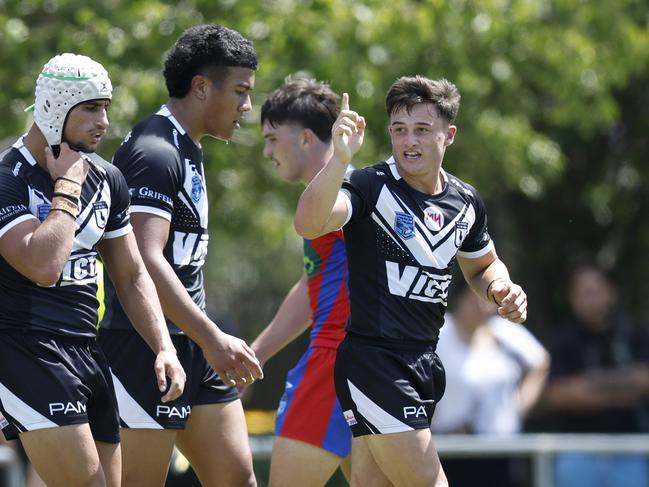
(325, 263)
(309, 410)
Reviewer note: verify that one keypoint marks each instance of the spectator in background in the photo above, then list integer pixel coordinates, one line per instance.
(599, 381)
(495, 372)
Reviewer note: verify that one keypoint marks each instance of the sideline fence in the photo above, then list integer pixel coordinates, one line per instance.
(539, 448)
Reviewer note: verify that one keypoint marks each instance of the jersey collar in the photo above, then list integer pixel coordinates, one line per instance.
(20, 145)
(392, 164)
(164, 112)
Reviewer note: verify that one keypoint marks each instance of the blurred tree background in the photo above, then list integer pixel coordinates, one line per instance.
(552, 128)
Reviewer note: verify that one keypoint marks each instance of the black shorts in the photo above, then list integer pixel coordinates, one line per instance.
(49, 380)
(387, 387)
(140, 406)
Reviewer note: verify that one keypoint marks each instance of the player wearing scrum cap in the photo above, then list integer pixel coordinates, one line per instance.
(62, 205)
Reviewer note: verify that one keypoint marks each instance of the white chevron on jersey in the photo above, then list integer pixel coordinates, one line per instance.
(430, 250)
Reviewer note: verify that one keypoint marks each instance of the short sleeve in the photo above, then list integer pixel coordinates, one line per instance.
(357, 188)
(118, 218)
(14, 202)
(152, 170)
(477, 242)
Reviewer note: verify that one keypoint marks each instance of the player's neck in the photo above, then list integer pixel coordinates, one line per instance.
(35, 143)
(316, 162)
(429, 183)
(185, 114)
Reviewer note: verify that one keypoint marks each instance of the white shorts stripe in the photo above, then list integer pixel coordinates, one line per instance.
(28, 417)
(130, 411)
(377, 417)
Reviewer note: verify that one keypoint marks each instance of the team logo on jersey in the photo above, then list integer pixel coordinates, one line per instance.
(101, 213)
(404, 224)
(434, 218)
(43, 211)
(197, 188)
(461, 231)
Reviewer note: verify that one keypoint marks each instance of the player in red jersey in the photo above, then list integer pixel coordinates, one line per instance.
(313, 439)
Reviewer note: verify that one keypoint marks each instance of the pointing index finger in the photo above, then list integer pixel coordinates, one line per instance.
(345, 102)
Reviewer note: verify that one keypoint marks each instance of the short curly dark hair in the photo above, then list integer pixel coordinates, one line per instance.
(306, 102)
(206, 48)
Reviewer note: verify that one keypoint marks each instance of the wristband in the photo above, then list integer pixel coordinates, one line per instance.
(63, 204)
(68, 197)
(490, 297)
(67, 186)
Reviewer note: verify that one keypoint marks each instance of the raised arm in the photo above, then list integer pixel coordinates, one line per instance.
(320, 210)
(138, 296)
(489, 278)
(291, 319)
(230, 357)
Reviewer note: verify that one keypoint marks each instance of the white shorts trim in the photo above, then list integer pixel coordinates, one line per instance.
(130, 411)
(374, 414)
(24, 414)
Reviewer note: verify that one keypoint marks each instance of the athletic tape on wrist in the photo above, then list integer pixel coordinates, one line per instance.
(63, 204)
(67, 186)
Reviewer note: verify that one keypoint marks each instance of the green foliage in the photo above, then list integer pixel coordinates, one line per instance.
(551, 129)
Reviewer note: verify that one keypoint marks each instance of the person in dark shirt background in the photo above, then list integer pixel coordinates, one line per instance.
(599, 380)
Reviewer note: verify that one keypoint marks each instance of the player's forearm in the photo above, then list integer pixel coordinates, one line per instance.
(275, 337)
(317, 201)
(481, 280)
(178, 305)
(140, 301)
(291, 319)
(48, 249)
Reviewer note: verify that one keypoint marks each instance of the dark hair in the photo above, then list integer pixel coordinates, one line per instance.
(202, 49)
(406, 92)
(310, 103)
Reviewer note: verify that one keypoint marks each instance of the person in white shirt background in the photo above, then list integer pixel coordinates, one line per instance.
(495, 372)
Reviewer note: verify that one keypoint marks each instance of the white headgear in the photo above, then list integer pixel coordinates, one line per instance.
(67, 80)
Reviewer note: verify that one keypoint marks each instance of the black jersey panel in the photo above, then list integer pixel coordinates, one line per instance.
(152, 168)
(401, 247)
(163, 168)
(70, 306)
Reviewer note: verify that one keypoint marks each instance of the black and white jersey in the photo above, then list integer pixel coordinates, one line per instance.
(163, 168)
(70, 306)
(401, 245)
